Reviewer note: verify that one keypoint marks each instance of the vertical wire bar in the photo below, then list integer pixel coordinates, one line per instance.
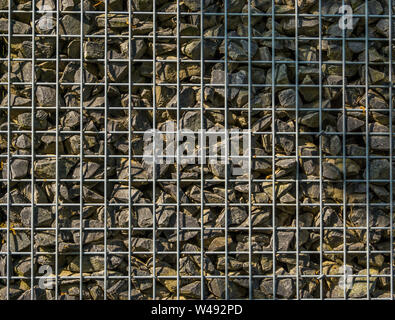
(391, 151)
(57, 153)
(178, 148)
(367, 147)
(8, 257)
(32, 139)
(274, 236)
(130, 151)
(202, 150)
(321, 279)
(105, 145)
(344, 155)
(154, 151)
(297, 143)
(250, 293)
(81, 138)
(226, 151)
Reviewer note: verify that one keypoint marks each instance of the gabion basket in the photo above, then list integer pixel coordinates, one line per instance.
(196, 149)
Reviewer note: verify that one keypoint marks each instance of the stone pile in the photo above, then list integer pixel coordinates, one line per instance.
(312, 200)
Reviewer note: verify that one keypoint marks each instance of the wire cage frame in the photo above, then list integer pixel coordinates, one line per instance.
(85, 215)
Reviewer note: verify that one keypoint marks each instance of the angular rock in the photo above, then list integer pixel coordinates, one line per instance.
(19, 168)
(93, 50)
(378, 169)
(288, 98)
(46, 96)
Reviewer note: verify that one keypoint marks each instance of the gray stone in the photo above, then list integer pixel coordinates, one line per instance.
(377, 217)
(88, 236)
(262, 124)
(379, 142)
(331, 144)
(374, 8)
(17, 27)
(42, 217)
(117, 71)
(67, 5)
(45, 5)
(192, 290)
(19, 168)
(319, 124)
(287, 99)
(355, 150)
(217, 169)
(286, 142)
(311, 120)
(46, 96)
(309, 94)
(237, 78)
(70, 25)
(237, 52)
(46, 168)
(218, 78)
(331, 218)
(142, 5)
(121, 194)
(21, 72)
(116, 5)
(235, 216)
(3, 4)
(285, 240)
(91, 263)
(330, 171)
(73, 49)
(193, 49)
(287, 164)
(352, 123)
(191, 120)
(44, 239)
(285, 288)
(374, 76)
(217, 287)
(23, 142)
(307, 26)
(90, 196)
(186, 98)
(378, 169)
(382, 27)
(93, 50)
(194, 5)
(96, 293)
(89, 170)
(164, 216)
(139, 48)
(185, 221)
(144, 216)
(71, 120)
(19, 242)
(280, 75)
(219, 243)
(235, 5)
(38, 294)
(359, 287)
(14, 293)
(117, 290)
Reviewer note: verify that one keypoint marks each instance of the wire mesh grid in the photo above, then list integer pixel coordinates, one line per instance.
(85, 215)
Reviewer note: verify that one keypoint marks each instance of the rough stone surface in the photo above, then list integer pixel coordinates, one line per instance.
(73, 163)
